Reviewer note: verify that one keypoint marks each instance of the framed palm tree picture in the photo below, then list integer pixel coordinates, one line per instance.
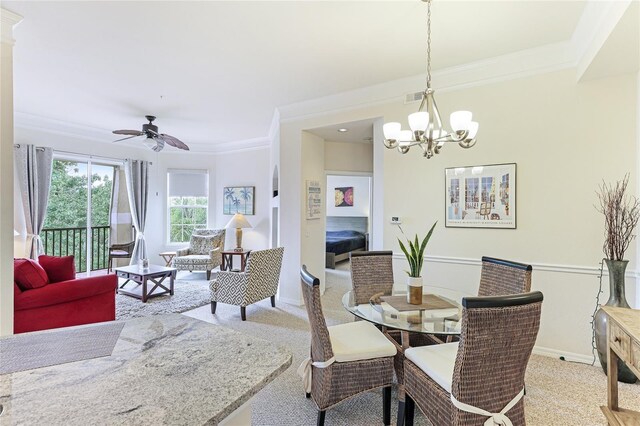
(239, 199)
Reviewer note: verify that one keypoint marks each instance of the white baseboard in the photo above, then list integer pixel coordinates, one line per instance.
(568, 356)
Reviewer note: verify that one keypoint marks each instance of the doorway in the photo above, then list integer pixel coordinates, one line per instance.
(77, 221)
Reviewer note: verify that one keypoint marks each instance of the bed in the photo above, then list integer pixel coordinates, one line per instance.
(344, 235)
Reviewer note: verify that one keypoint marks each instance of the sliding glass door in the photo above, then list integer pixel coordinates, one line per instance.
(80, 189)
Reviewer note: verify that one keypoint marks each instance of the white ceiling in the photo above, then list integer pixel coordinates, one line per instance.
(213, 72)
(360, 131)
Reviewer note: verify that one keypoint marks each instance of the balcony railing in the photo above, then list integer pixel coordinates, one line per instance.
(73, 242)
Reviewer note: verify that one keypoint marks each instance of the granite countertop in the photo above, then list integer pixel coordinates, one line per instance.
(167, 369)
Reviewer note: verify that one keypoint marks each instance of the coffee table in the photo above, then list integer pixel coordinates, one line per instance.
(142, 276)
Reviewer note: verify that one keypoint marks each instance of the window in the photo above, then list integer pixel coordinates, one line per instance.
(188, 203)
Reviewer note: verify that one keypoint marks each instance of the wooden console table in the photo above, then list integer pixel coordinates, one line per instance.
(623, 342)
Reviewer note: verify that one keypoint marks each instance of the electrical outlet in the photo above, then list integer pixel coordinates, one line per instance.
(396, 220)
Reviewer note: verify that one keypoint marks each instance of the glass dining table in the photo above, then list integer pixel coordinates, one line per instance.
(440, 317)
(437, 320)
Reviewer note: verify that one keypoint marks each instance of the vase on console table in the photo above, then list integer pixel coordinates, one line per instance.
(414, 290)
(617, 298)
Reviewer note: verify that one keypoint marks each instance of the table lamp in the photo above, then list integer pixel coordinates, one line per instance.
(238, 221)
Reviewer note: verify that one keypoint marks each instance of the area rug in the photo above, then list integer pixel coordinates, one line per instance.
(28, 351)
(187, 295)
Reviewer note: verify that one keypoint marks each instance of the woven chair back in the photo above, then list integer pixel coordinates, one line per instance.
(371, 273)
(321, 349)
(504, 277)
(498, 334)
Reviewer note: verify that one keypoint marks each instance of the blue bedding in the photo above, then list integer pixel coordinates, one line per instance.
(340, 242)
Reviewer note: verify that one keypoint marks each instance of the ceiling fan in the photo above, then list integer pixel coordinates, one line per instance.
(153, 139)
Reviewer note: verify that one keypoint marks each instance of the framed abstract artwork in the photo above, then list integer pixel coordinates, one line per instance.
(481, 196)
(239, 199)
(344, 196)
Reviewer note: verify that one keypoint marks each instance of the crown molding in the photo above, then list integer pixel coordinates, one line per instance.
(539, 60)
(65, 128)
(598, 21)
(8, 20)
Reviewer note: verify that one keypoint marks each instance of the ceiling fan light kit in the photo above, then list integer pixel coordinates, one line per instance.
(427, 130)
(153, 140)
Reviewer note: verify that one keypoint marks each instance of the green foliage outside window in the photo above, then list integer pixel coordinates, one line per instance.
(185, 215)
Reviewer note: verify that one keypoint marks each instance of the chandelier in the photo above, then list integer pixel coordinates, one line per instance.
(426, 126)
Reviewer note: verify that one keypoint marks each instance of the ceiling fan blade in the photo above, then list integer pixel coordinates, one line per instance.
(128, 132)
(124, 139)
(176, 142)
(168, 141)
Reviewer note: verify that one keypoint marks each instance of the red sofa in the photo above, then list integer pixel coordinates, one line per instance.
(62, 304)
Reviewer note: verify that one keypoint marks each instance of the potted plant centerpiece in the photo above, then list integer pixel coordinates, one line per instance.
(621, 213)
(415, 257)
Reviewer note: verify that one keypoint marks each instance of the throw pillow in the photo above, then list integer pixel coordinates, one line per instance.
(28, 274)
(58, 269)
(201, 244)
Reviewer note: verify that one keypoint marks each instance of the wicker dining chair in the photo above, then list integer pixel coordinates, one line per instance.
(481, 376)
(500, 277)
(346, 359)
(371, 273)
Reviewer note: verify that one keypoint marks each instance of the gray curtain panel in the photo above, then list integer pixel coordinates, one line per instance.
(137, 177)
(33, 171)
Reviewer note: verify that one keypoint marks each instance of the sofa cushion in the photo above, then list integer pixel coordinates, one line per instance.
(437, 361)
(202, 244)
(360, 340)
(67, 291)
(28, 274)
(16, 289)
(58, 268)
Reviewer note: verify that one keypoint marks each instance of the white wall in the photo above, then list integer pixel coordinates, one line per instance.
(348, 156)
(249, 168)
(361, 195)
(565, 138)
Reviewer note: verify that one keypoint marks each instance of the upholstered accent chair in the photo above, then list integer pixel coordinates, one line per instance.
(258, 281)
(204, 252)
(345, 359)
(500, 277)
(480, 378)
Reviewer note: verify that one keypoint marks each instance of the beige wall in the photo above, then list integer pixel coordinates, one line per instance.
(313, 230)
(565, 137)
(348, 156)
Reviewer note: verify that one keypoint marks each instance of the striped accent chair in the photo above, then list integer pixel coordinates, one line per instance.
(258, 281)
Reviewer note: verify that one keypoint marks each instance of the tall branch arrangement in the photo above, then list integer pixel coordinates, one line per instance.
(621, 213)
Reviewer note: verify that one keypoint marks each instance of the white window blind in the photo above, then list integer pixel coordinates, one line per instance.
(188, 183)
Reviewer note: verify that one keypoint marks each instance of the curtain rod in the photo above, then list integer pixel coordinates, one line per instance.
(57, 151)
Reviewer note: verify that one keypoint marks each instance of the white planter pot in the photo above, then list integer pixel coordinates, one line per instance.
(415, 283)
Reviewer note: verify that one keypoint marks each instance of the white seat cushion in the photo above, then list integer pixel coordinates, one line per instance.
(360, 340)
(435, 360)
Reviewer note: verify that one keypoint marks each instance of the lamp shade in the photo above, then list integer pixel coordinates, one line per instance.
(419, 121)
(238, 221)
(392, 130)
(460, 120)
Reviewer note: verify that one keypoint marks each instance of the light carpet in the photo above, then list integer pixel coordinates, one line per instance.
(558, 392)
(190, 291)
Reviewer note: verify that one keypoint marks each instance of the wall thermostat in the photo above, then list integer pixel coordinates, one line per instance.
(396, 220)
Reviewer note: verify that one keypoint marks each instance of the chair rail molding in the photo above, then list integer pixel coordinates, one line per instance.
(547, 267)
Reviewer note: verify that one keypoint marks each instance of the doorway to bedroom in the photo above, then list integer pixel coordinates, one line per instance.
(348, 165)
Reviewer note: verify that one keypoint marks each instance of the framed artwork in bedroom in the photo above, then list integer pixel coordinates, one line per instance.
(481, 196)
(239, 199)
